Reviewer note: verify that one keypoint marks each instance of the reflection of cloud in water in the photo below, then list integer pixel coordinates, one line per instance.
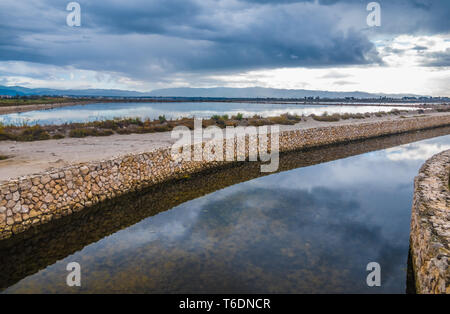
(254, 240)
(374, 169)
(417, 151)
(324, 228)
(159, 227)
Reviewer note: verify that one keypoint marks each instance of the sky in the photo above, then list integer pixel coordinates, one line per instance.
(144, 45)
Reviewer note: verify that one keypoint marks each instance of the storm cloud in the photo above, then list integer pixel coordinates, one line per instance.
(144, 39)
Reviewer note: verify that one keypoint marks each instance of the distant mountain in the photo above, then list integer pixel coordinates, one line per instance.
(23, 91)
(217, 92)
(260, 92)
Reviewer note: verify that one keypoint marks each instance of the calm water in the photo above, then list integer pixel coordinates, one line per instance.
(306, 230)
(93, 112)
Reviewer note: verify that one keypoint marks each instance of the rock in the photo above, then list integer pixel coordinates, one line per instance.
(24, 209)
(13, 188)
(48, 198)
(84, 170)
(68, 175)
(16, 196)
(17, 208)
(34, 213)
(45, 179)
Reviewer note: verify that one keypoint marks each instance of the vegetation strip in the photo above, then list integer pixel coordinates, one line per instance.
(27, 133)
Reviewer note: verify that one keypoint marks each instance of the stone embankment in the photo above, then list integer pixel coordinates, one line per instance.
(40, 198)
(430, 226)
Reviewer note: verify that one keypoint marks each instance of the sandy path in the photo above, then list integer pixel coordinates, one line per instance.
(33, 157)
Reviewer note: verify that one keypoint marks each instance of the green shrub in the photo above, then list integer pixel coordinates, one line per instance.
(80, 133)
(358, 116)
(162, 128)
(5, 136)
(162, 119)
(327, 118)
(260, 122)
(124, 131)
(189, 123)
(283, 120)
(58, 136)
(145, 129)
(104, 133)
(239, 116)
(34, 133)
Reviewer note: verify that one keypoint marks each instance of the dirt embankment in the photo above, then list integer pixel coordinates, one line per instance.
(25, 108)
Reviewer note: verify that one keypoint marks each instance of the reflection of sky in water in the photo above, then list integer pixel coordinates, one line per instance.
(311, 229)
(93, 112)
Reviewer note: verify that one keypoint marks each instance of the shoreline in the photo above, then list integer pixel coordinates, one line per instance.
(26, 108)
(33, 200)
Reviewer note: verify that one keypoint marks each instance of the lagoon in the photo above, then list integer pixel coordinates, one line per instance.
(105, 111)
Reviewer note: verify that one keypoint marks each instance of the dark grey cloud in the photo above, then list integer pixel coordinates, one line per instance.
(397, 51)
(145, 39)
(438, 59)
(420, 48)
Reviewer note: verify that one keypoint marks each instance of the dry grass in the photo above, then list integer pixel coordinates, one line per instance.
(33, 100)
(325, 117)
(139, 126)
(80, 133)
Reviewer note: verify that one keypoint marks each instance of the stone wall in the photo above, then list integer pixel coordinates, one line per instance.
(430, 226)
(40, 198)
(38, 247)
